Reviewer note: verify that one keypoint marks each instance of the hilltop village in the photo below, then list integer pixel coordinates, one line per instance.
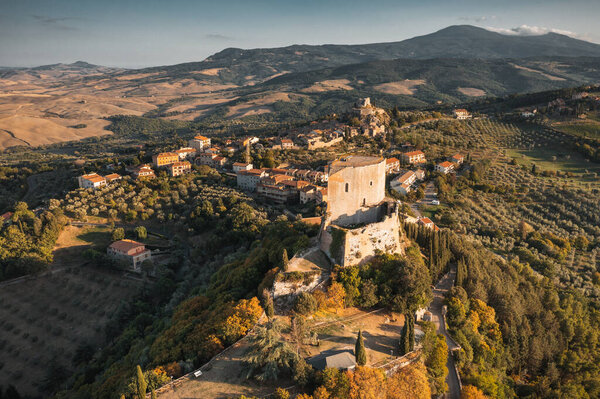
(400, 174)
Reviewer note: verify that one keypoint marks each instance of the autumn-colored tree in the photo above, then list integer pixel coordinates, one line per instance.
(436, 364)
(335, 383)
(244, 315)
(210, 346)
(141, 384)
(173, 369)
(335, 296)
(409, 383)
(321, 299)
(281, 393)
(366, 383)
(471, 392)
(321, 393)
(360, 352)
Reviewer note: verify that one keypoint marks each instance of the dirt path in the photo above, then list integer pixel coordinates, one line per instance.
(436, 308)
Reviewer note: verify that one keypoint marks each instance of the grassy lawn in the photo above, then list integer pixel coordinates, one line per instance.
(97, 237)
(565, 162)
(431, 210)
(583, 128)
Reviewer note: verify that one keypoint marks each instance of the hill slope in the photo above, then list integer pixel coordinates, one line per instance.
(234, 65)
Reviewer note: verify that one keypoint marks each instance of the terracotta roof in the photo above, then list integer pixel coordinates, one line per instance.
(240, 164)
(461, 110)
(93, 177)
(295, 183)
(184, 163)
(167, 154)
(112, 176)
(391, 160)
(199, 137)
(425, 220)
(411, 153)
(277, 171)
(219, 158)
(446, 164)
(402, 179)
(308, 188)
(257, 172)
(126, 246)
(457, 156)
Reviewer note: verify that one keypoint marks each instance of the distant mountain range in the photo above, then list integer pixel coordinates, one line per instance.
(462, 41)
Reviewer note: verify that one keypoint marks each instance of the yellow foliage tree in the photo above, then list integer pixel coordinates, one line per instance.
(409, 383)
(244, 315)
(471, 392)
(366, 383)
(321, 393)
(336, 295)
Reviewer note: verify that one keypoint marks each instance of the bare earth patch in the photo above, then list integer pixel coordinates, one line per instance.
(547, 76)
(471, 91)
(210, 71)
(257, 106)
(406, 87)
(329, 85)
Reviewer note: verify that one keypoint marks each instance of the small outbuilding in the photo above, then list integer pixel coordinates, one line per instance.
(341, 360)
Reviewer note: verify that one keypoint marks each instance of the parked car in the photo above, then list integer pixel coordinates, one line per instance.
(435, 202)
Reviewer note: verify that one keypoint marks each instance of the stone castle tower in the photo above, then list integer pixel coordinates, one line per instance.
(359, 221)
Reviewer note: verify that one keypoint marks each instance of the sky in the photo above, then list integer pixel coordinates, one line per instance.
(133, 34)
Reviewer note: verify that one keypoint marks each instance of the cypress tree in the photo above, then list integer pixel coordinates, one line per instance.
(152, 394)
(269, 309)
(411, 332)
(404, 347)
(141, 383)
(284, 260)
(359, 350)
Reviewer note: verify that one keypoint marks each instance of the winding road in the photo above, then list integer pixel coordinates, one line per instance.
(437, 308)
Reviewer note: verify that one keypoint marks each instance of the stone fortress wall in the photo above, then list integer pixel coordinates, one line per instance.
(359, 220)
(356, 186)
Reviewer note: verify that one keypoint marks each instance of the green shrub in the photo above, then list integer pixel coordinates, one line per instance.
(306, 304)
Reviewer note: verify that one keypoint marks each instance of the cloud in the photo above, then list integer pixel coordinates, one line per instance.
(218, 37)
(526, 30)
(481, 18)
(57, 23)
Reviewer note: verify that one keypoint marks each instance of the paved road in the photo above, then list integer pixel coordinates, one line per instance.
(435, 308)
(430, 195)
